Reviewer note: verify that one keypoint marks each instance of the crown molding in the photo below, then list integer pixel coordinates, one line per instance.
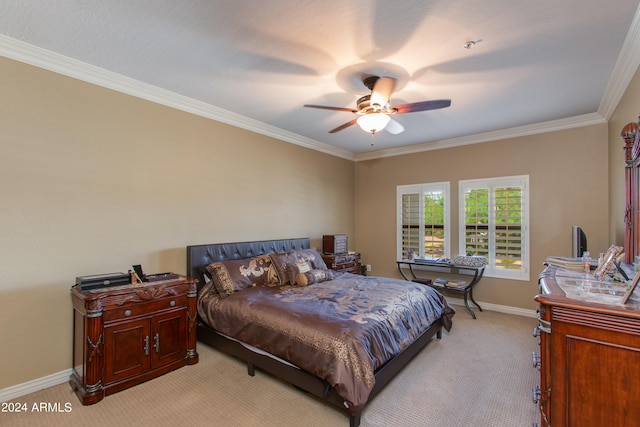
(45, 59)
(626, 66)
(550, 126)
(624, 70)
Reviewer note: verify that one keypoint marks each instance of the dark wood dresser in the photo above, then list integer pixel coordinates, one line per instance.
(589, 351)
(348, 261)
(129, 334)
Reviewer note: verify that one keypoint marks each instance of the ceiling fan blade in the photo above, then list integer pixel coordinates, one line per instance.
(382, 90)
(422, 106)
(393, 127)
(324, 107)
(344, 126)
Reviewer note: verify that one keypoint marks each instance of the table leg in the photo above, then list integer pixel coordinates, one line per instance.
(466, 304)
(473, 300)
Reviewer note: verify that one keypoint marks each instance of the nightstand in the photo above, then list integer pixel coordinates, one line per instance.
(348, 261)
(129, 334)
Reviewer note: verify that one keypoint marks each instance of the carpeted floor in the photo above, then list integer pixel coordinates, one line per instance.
(479, 374)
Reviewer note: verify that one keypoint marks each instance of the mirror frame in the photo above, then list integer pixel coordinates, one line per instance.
(631, 138)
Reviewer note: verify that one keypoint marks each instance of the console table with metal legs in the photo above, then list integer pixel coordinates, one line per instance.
(465, 288)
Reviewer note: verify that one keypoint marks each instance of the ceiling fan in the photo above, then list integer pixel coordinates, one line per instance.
(374, 110)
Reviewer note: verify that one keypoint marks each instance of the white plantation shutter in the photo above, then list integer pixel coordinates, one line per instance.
(434, 224)
(494, 224)
(508, 228)
(476, 230)
(423, 220)
(411, 213)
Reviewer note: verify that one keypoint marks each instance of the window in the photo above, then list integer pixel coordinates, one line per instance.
(423, 220)
(494, 224)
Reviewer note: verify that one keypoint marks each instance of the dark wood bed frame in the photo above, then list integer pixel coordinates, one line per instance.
(199, 256)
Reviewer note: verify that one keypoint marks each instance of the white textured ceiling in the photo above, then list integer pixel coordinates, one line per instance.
(258, 62)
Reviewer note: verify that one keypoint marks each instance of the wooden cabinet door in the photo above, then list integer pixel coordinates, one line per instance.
(127, 348)
(169, 337)
(594, 374)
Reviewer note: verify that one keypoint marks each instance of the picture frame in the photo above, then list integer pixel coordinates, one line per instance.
(607, 263)
(632, 287)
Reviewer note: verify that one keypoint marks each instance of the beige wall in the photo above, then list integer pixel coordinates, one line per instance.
(568, 179)
(93, 181)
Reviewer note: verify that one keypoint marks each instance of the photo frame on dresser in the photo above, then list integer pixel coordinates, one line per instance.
(632, 287)
(607, 263)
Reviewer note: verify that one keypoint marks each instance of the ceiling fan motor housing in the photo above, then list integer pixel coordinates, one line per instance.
(364, 107)
(370, 81)
(377, 106)
(364, 104)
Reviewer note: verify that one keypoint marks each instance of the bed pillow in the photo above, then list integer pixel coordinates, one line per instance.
(280, 261)
(297, 268)
(288, 264)
(313, 276)
(236, 275)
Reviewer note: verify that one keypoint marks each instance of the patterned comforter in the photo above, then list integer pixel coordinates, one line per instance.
(341, 330)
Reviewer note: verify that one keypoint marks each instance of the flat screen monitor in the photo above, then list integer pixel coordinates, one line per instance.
(579, 241)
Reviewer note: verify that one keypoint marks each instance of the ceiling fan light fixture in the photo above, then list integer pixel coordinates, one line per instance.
(374, 111)
(373, 122)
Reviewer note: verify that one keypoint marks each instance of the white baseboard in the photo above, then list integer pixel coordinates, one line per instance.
(495, 307)
(23, 389)
(32, 386)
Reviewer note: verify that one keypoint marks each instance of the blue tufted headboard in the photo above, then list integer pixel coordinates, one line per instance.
(199, 256)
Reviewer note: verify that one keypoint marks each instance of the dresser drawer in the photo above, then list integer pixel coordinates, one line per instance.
(351, 267)
(135, 308)
(126, 335)
(343, 262)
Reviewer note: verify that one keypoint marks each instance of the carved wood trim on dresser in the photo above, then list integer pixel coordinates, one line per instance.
(589, 357)
(128, 334)
(349, 262)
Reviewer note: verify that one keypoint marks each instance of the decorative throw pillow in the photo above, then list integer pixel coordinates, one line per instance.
(279, 260)
(236, 275)
(285, 263)
(300, 267)
(316, 259)
(313, 276)
(222, 282)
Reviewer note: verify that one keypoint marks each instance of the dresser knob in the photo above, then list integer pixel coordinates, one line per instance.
(127, 313)
(544, 326)
(536, 360)
(172, 303)
(536, 394)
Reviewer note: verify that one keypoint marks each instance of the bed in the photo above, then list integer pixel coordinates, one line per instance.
(339, 336)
